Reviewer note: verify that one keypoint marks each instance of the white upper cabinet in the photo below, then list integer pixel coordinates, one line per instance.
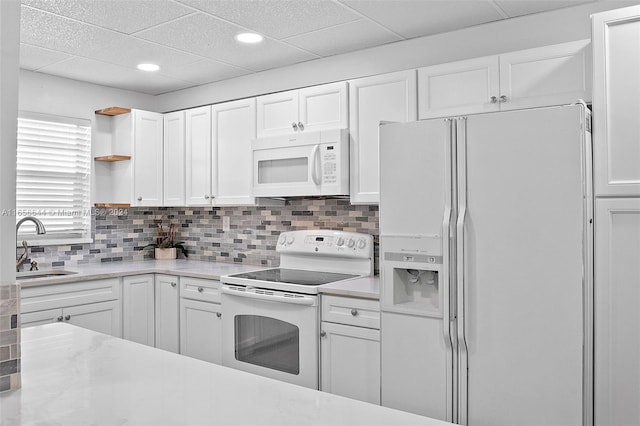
(174, 156)
(198, 156)
(233, 128)
(387, 97)
(147, 158)
(312, 108)
(616, 104)
(550, 75)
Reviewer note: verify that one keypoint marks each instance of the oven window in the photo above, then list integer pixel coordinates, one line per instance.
(267, 342)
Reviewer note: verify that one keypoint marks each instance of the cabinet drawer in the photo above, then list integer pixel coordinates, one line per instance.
(200, 289)
(70, 294)
(350, 311)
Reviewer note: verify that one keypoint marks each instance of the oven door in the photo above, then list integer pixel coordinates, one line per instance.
(271, 333)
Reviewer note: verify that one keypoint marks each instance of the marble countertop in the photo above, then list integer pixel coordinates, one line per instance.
(74, 376)
(365, 287)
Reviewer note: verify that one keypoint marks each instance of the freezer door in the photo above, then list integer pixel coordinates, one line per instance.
(520, 289)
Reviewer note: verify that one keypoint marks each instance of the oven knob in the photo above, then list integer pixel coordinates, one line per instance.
(361, 243)
(340, 241)
(282, 239)
(351, 243)
(290, 239)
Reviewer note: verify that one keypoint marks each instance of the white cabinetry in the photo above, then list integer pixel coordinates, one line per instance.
(233, 128)
(94, 305)
(616, 48)
(550, 75)
(617, 298)
(167, 309)
(312, 108)
(138, 310)
(174, 159)
(147, 158)
(387, 97)
(350, 348)
(198, 156)
(200, 319)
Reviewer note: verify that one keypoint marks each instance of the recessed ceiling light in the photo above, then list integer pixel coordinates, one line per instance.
(249, 38)
(148, 67)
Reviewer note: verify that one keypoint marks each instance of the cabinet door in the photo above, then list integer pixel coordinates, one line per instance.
(174, 159)
(30, 319)
(167, 313)
(616, 104)
(103, 317)
(233, 128)
(388, 97)
(147, 158)
(201, 330)
(323, 107)
(464, 87)
(617, 297)
(198, 159)
(138, 311)
(350, 362)
(277, 113)
(550, 75)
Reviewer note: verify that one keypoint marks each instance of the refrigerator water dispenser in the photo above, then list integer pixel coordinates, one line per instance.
(416, 290)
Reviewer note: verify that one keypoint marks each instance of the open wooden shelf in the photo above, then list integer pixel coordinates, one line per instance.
(111, 158)
(113, 111)
(113, 205)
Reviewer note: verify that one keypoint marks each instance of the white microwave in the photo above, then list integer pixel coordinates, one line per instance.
(304, 164)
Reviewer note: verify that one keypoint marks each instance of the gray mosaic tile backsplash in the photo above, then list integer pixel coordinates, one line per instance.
(10, 377)
(250, 238)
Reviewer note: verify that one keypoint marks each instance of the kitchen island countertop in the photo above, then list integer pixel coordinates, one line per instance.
(73, 376)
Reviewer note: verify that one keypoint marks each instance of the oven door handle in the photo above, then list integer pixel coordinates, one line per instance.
(269, 296)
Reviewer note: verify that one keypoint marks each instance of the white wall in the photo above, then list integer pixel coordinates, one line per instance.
(482, 40)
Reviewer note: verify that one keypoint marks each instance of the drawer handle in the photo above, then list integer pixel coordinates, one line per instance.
(173, 284)
(68, 317)
(219, 315)
(200, 289)
(354, 312)
(60, 318)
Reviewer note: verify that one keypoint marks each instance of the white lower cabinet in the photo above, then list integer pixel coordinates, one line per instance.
(201, 319)
(350, 350)
(94, 305)
(138, 310)
(167, 308)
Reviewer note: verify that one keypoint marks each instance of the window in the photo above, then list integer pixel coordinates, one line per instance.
(53, 172)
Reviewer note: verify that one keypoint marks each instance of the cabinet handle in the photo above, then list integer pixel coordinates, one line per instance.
(300, 126)
(503, 99)
(219, 315)
(206, 197)
(67, 318)
(323, 333)
(200, 289)
(295, 126)
(354, 312)
(494, 99)
(173, 284)
(139, 198)
(59, 318)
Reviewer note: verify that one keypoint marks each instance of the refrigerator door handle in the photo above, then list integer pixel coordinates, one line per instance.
(461, 142)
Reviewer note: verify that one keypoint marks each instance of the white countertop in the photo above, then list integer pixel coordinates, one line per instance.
(365, 287)
(73, 376)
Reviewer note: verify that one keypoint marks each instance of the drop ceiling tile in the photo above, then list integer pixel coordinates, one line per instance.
(525, 7)
(415, 18)
(106, 74)
(344, 38)
(33, 57)
(53, 32)
(214, 39)
(204, 71)
(124, 16)
(278, 18)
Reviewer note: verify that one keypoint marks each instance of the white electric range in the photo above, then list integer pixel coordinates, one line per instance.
(271, 318)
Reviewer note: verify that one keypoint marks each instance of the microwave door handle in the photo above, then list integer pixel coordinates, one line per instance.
(315, 169)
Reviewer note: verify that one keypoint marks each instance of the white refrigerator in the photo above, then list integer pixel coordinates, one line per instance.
(486, 267)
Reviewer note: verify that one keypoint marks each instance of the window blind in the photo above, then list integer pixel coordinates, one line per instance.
(53, 173)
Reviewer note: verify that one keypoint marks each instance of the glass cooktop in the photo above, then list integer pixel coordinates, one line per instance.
(294, 276)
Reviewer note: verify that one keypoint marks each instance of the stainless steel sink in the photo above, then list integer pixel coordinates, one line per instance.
(43, 274)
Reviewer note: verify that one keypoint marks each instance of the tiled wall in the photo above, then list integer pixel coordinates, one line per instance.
(250, 238)
(9, 337)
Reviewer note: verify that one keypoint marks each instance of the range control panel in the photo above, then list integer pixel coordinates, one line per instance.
(326, 242)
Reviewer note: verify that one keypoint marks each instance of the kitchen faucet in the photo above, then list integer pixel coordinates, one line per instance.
(40, 229)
